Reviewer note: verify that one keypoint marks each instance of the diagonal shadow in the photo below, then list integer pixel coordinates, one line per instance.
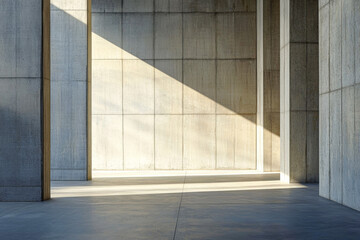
(230, 84)
(222, 84)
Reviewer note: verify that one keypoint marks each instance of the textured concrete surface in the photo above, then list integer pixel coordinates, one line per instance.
(185, 206)
(168, 93)
(232, 131)
(69, 90)
(24, 89)
(335, 146)
(324, 151)
(339, 108)
(17, 55)
(138, 142)
(299, 91)
(268, 77)
(166, 76)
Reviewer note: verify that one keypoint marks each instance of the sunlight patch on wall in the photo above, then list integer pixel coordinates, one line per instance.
(168, 114)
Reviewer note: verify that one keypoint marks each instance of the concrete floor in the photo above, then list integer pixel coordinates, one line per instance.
(183, 206)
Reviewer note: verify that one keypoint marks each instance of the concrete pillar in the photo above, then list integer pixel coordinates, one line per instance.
(268, 78)
(70, 24)
(299, 90)
(339, 51)
(260, 86)
(24, 100)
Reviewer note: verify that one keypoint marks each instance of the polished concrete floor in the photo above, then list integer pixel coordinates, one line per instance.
(182, 206)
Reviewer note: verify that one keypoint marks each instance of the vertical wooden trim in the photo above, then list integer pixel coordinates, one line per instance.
(45, 101)
(89, 92)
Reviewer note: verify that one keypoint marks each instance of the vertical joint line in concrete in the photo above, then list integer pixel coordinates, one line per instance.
(354, 88)
(329, 179)
(259, 93)
(154, 79)
(182, 86)
(89, 90)
(234, 137)
(216, 100)
(42, 137)
(271, 92)
(306, 84)
(122, 84)
(341, 105)
(16, 36)
(178, 212)
(329, 76)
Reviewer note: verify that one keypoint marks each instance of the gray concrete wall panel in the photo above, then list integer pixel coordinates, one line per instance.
(299, 83)
(24, 91)
(166, 75)
(339, 120)
(69, 76)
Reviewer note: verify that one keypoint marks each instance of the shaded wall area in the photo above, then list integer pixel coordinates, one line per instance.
(269, 82)
(340, 101)
(174, 84)
(24, 98)
(69, 54)
(299, 91)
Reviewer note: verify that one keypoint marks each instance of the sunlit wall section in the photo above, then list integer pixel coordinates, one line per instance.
(174, 85)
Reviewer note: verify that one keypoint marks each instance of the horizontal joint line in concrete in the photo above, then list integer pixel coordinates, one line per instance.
(324, 5)
(72, 80)
(20, 77)
(271, 70)
(175, 59)
(301, 111)
(340, 88)
(303, 42)
(68, 10)
(170, 12)
(265, 111)
(352, 85)
(288, 43)
(216, 12)
(70, 169)
(175, 114)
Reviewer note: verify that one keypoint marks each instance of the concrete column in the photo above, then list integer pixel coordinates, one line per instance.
(299, 90)
(24, 100)
(260, 86)
(268, 78)
(339, 51)
(70, 24)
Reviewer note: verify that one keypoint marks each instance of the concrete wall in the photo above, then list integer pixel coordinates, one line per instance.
(268, 75)
(339, 48)
(299, 91)
(174, 84)
(24, 100)
(69, 60)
